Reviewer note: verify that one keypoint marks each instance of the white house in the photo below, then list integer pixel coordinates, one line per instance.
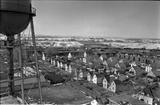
(89, 77)
(84, 60)
(17, 74)
(66, 67)
(146, 99)
(112, 87)
(53, 62)
(132, 70)
(105, 63)
(75, 74)
(69, 69)
(117, 65)
(43, 57)
(111, 59)
(121, 61)
(151, 74)
(148, 68)
(94, 79)
(133, 64)
(28, 71)
(58, 65)
(85, 55)
(94, 102)
(101, 57)
(69, 56)
(61, 64)
(80, 75)
(105, 83)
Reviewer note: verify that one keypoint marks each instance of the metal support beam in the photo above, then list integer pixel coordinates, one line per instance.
(21, 68)
(36, 60)
(10, 40)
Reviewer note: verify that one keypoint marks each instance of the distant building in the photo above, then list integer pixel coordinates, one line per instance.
(85, 55)
(80, 76)
(69, 56)
(148, 68)
(112, 87)
(89, 77)
(105, 83)
(94, 79)
(43, 57)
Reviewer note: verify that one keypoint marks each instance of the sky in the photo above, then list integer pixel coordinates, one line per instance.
(127, 19)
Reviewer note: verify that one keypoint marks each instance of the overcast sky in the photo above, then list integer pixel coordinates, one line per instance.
(129, 19)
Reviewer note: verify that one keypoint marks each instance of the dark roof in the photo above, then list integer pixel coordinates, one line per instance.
(118, 82)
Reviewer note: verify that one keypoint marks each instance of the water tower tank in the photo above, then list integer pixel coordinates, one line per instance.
(14, 16)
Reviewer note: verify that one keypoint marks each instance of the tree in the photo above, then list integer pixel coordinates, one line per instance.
(50, 51)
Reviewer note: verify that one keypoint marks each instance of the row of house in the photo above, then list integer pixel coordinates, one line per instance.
(103, 71)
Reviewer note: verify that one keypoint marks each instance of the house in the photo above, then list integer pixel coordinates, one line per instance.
(89, 77)
(118, 55)
(132, 71)
(69, 56)
(84, 60)
(69, 69)
(94, 79)
(111, 59)
(80, 74)
(75, 74)
(85, 54)
(105, 83)
(122, 77)
(58, 65)
(100, 79)
(121, 61)
(148, 68)
(112, 86)
(43, 57)
(17, 74)
(107, 71)
(85, 73)
(117, 66)
(126, 56)
(61, 65)
(51, 61)
(151, 74)
(105, 63)
(115, 85)
(101, 58)
(124, 99)
(54, 62)
(66, 67)
(100, 70)
(28, 71)
(146, 99)
(133, 64)
(114, 70)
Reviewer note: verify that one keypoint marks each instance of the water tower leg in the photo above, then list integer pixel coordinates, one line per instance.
(10, 40)
(36, 59)
(21, 67)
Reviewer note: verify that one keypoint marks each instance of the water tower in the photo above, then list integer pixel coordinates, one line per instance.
(15, 15)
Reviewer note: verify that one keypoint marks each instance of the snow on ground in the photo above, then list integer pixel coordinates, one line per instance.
(67, 44)
(134, 45)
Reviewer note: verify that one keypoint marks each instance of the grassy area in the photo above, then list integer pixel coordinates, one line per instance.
(60, 95)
